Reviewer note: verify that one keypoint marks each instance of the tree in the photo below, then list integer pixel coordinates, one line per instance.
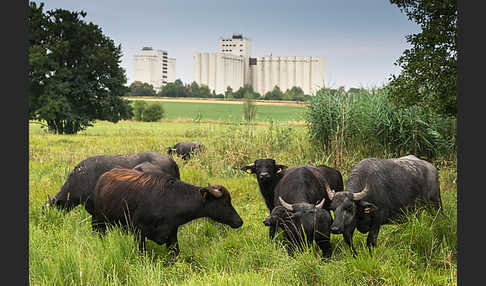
(275, 94)
(193, 90)
(174, 89)
(138, 88)
(244, 90)
(228, 94)
(429, 68)
(204, 92)
(74, 72)
(295, 93)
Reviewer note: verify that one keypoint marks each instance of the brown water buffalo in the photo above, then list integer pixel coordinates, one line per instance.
(154, 205)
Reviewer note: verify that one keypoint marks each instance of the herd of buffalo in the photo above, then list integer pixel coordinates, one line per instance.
(144, 192)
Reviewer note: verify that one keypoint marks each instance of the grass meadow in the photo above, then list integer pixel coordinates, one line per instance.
(63, 250)
(224, 112)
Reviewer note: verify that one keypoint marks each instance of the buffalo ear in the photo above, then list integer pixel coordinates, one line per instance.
(204, 192)
(367, 207)
(250, 169)
(280, 168)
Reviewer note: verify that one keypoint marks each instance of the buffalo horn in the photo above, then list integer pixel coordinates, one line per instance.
(214, 191)
(330, 193)
(362, 194)
(321, 204)
(285, 204)
(49, 201)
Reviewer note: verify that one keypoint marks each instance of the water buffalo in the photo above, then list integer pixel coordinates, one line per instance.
(185, 149)
(154, 205)
(80, 184)
(302, 224)
(333, 177)
(301, 184)
(268, 174)
(148, 167)
(379, 191)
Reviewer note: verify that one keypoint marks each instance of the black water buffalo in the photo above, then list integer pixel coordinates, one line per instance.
(268, 174)
(333, 177)
(185, 149)
(301, 184)
(148, 167)
(379, 191)
(154, 205)
(302, 224)
(80, 184)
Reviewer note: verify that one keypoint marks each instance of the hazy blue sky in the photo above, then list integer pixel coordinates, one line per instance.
(360, 40)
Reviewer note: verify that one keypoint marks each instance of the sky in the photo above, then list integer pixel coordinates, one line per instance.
(360, 40)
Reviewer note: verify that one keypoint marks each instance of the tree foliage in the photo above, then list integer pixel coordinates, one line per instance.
(173, 89)
(274, 94)
(74, 72)
(245, 90)
(295, 93)
(138, 88)
(429, 68)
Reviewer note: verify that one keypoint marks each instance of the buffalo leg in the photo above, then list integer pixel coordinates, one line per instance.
(273, 229)
(348, 238)
(325, 245)
(142, 243)
(372, 236)
(98, 226)
(172, 244)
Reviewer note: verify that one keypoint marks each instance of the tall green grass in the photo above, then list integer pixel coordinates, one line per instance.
(369, 122)
(63, 250)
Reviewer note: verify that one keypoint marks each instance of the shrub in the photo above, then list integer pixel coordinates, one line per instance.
(138, 108)
(153, 112)
(148, 112)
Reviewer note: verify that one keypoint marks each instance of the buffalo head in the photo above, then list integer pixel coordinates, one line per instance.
(264, 169)
(351, 210)
(217, 205)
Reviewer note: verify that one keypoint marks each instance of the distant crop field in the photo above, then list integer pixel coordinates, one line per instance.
(207, 110)
(64, 250)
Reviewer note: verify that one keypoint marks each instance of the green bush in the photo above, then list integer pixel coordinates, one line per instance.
(153, 112)
(148, 112)
(138, 108)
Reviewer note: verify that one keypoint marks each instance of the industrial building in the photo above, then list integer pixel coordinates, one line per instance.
(154, 67)
(219, 70)
(287, 72)
(233, 66)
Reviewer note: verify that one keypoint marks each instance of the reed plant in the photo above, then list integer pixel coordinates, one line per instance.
(369, 122)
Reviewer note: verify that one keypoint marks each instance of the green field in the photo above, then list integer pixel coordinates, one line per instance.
(63, 250)
(229, 112)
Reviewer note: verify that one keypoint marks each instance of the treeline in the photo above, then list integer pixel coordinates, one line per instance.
(178, 89)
